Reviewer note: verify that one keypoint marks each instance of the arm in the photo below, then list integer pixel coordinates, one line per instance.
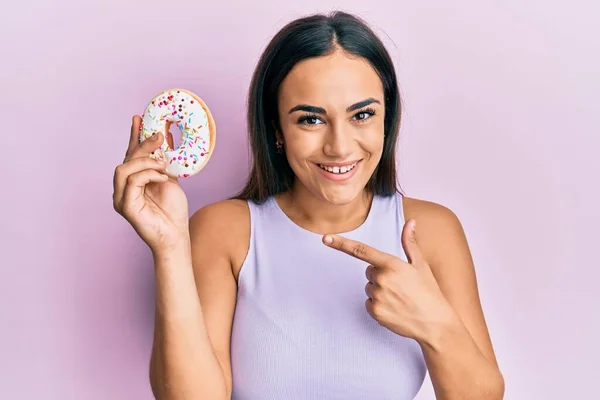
(196, 294)
(459, 354)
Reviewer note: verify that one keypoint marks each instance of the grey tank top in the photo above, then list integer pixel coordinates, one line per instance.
(301, 330)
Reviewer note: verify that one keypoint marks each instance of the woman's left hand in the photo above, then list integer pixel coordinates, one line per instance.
(402, 296)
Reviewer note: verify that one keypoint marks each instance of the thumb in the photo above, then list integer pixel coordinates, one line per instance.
(409, 243)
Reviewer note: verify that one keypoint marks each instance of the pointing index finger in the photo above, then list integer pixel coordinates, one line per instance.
(357, 250)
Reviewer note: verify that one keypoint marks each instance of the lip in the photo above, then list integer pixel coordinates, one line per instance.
(339, 164)
(338, 177)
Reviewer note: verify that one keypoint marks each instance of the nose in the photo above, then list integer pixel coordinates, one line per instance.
(338, 142)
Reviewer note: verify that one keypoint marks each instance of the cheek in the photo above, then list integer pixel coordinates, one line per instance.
(299, 146)
(376, 144)
(372, 143)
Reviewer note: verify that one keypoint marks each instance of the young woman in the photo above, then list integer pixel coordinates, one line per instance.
(313, 282)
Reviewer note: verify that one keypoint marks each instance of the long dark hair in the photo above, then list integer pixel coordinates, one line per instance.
(314, 36)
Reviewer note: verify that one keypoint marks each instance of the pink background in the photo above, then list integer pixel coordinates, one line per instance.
(500, 124)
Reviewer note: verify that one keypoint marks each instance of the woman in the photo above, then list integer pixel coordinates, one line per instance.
(313, 283)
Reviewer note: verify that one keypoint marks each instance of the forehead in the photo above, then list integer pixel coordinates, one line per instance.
(335, 80)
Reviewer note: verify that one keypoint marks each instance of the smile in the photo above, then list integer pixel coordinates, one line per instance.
(336, 169)
(338, 172)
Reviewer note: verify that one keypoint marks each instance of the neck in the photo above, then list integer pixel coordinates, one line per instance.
(320, 216)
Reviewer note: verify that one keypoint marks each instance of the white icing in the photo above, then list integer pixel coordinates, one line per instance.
(180, 108)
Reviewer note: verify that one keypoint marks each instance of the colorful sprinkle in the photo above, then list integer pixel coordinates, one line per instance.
(174, 107)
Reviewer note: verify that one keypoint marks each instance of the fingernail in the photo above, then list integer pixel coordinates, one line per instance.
(328, 239)
(413, 225)
(154, 137)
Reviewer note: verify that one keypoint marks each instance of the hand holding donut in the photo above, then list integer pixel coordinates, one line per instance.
(401, 296)
(153, 203)
(146, 191)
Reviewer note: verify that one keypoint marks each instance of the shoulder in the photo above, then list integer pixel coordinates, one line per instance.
(438, 228)
(225, 210)
(224, 227)
(428, 212)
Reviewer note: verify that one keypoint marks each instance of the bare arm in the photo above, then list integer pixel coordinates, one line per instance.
(460, 358)
(195, 301)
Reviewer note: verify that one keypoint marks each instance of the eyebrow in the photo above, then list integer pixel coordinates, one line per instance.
(321, 110)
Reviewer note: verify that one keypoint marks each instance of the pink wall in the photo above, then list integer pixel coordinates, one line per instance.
(500, 124)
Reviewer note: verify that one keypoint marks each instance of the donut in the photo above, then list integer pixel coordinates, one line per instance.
(194, 120)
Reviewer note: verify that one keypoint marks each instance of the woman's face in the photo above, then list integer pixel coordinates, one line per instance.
(331, 112)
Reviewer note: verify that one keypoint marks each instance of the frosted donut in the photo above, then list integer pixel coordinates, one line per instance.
(194, 120)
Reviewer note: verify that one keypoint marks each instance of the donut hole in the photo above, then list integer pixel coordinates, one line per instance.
(174, 136)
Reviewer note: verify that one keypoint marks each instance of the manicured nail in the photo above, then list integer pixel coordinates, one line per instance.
(328, 239)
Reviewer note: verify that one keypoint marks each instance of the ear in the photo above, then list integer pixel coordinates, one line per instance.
(278, 135)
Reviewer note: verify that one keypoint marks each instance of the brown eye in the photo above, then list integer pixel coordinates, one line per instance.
(364, 115)
(309, 120)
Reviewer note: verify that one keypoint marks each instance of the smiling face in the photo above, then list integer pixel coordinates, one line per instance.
(331, 113)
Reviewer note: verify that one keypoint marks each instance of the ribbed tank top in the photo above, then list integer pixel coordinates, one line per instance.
(301, 330)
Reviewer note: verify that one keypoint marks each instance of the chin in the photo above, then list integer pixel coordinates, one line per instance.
(341, 195)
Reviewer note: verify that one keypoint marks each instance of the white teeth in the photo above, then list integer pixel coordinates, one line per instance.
(338, 170)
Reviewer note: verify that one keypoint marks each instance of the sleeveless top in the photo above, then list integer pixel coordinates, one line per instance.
(300, 328)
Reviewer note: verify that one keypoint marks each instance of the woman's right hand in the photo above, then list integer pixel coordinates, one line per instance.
(153, 203)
